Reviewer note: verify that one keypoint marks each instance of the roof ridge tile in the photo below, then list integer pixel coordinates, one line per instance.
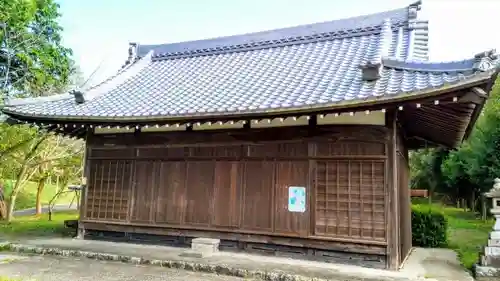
(268, 44)
(331, 30)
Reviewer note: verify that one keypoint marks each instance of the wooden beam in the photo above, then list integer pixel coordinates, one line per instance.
(392, 205)
(475, 96)
(83, 195)
(480, 92)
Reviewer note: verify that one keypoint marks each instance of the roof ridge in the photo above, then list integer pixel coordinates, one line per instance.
(329, 30)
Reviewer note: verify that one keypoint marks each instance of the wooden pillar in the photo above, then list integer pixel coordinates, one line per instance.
(83, 196)
(392, 208)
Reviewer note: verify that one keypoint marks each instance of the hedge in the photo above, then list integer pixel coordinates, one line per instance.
(429, 227)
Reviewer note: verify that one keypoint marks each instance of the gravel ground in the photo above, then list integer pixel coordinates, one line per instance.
(45, 268)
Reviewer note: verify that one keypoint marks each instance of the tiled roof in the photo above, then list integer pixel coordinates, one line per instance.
(299, 68)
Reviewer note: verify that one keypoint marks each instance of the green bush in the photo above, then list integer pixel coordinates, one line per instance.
(429, 227)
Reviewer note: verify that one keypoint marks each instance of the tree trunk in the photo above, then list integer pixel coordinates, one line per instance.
(473, 201)
(483, 207)
(15, 191)
(10, 209)
(41, 185)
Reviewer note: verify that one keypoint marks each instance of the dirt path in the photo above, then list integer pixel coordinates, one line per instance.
(45, 209)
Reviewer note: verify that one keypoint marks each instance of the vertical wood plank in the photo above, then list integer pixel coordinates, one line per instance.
(154, 191)
(337, 180)
(215, 188)
(123, 186)
(242, 193)
(116, 182)
(373, 189)
(92, 187)
(131, 193)
(349, 190)
(160, 202)
(274, 189)
(107, 191)
(361, 200)
(101, 187)
(313, 194)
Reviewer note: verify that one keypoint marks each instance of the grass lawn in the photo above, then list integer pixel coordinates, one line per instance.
(27, 197)
(467, 234)
(30, 226)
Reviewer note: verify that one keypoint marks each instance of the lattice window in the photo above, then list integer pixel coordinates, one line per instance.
(350, 199)
(108, 188)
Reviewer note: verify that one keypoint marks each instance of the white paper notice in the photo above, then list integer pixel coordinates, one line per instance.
(297, 199)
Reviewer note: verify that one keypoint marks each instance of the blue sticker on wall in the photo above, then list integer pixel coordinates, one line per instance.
(297, 199)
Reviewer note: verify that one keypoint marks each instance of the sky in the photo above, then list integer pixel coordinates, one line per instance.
(99, 31)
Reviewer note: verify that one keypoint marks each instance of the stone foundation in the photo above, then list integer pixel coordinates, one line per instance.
(221, 269)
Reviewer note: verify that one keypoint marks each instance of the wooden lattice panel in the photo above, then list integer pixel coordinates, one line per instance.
(108, 190)
(350, 199)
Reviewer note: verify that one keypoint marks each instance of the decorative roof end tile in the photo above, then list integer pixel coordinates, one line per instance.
(132, 52)
(413, 10)
(486, 61)
(79, 96)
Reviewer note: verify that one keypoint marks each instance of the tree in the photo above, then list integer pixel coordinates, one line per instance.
(33, 61)
(25, 171)
(425, 169)
(55, 152)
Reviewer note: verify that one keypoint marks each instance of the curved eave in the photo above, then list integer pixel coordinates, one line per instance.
(481, 79)
(478, 109)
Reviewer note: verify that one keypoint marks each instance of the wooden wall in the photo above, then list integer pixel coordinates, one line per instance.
(237, 182)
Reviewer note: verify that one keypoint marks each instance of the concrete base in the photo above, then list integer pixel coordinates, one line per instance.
(486, 273)
(194, 254)
(80, 233)
(422, 264)
(202, 247)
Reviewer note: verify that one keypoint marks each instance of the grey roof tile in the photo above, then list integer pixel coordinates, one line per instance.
(301, 67)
